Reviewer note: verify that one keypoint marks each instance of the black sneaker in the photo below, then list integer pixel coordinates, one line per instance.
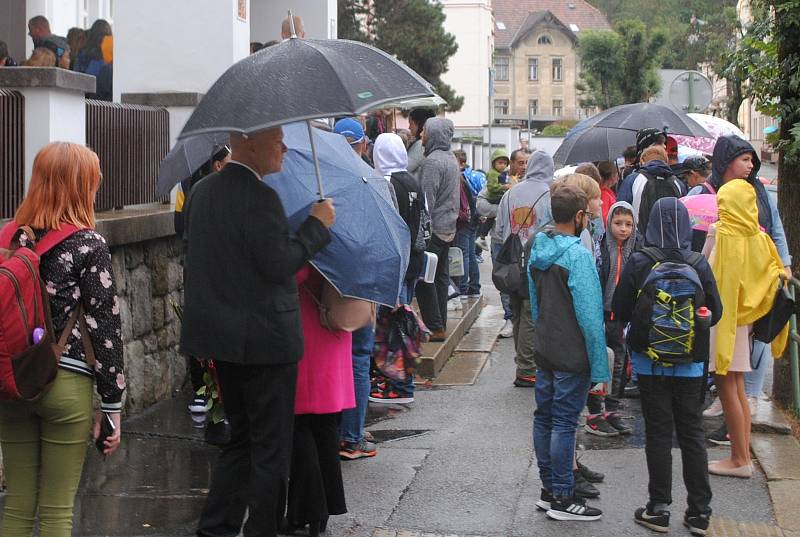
(545, 499)
(616, 421)
(590, 475)
(631, 391)
(697, 524)
(598, 426)
(720, 437)
(573, 509)
(584, 489)
(653, 517)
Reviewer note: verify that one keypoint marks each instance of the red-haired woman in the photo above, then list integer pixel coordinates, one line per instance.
(44, 442)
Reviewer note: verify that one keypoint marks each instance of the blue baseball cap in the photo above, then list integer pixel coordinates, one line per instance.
(351, 129)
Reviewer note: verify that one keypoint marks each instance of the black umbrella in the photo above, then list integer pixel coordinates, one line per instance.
(590, 144)
(302, 79)
(186, 158)
(638, 116)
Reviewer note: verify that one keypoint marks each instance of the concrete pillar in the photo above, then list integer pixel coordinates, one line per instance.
(319, 18)
(177, 45)
(55, 107)
(14, 28)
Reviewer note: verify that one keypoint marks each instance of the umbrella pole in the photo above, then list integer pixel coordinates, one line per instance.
(320, 191)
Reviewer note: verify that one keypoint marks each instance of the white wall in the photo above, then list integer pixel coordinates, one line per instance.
(65, 14)
(319, 18)
(470, 21)
(176, 45)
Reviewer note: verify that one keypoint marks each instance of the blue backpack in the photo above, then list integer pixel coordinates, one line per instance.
(663, 322)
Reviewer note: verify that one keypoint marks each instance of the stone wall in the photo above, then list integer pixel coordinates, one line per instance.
(149, 278)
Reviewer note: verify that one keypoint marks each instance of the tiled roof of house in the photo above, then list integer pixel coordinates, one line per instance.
(510, 15)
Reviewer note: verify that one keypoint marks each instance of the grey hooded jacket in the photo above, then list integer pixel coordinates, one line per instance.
(438, 177)
(514, 212)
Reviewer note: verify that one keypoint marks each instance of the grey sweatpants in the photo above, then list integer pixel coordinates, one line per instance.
(523, 336)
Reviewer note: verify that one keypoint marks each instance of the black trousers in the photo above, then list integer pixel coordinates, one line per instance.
(674, 403)
(432, 297)
(616, 341)
(252, 470)
(316, 489)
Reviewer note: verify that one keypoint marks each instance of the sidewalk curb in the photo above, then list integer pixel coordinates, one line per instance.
(437, 354)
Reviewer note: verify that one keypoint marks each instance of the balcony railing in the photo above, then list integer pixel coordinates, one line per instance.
(130, 140)
(12, 151)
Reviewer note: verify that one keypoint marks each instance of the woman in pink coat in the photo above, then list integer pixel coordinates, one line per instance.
(324, 389)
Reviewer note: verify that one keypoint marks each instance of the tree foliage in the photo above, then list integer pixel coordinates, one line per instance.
(411, 30)
(620, 67)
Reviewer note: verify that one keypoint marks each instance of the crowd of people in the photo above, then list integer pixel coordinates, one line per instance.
(621, 293)
(85, 51)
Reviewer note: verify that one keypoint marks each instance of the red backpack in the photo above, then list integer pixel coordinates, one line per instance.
(28, 368)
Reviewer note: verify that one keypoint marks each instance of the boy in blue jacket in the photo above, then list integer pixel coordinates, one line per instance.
(569, 348)
(672, 395)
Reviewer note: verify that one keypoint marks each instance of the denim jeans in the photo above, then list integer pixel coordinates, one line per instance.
(754, 380)
(470, 282)
(505, 299)
(352, 425)
(559, 400)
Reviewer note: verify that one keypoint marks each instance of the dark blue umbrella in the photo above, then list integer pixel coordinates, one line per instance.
(368, 255)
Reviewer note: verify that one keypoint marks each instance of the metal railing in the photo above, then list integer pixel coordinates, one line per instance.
(130, 140)
(794, 351)
(12, 151)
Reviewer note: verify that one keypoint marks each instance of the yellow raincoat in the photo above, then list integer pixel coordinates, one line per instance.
(747, 268)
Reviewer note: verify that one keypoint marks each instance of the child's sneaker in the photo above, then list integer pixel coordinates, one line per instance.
(720, 437)
(590, 475)
(615, 420)
(584, 489)
(525, 381)
(389, 396)
(545, 499)
(350, 451)
(654, 517)
(200, 405)
(597, 425)
(714, 409)
(697, 524)
(573, 509)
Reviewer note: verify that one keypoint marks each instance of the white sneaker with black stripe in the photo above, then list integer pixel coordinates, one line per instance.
(573, 509)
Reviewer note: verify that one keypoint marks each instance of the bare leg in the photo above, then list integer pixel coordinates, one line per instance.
(737, 418)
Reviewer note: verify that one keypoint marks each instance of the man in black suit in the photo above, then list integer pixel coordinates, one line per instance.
(242, 310)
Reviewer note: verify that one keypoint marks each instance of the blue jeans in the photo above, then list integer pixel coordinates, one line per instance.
(505, 299)
(470, 282)
(559, 400)
(754, 380)
(351, 427)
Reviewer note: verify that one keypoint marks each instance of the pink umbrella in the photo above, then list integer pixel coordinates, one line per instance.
(716, 126)
(702, 210)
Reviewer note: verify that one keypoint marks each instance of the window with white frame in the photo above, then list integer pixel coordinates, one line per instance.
(558, 69)
(533, 69)
(533, 107)
(501, 107)
(501, 68)
(558, 107)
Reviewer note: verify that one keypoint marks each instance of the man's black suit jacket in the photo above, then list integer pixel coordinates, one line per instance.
(240, 294)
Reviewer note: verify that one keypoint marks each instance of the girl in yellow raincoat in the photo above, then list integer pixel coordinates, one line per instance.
(748, 269)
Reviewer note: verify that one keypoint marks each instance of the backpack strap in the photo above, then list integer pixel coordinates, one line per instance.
(51, 239)
(78, 317)
(530, 211)
(655, 255)
(710, 187)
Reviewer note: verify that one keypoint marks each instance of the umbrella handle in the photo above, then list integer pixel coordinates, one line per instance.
(320, 191)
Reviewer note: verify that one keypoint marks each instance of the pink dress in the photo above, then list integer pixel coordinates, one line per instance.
(325, 373)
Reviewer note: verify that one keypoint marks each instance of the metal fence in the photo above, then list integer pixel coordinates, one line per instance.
(130, 140)
(12, 151)
(794, 355)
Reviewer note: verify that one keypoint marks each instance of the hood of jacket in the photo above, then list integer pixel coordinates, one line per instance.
(669, 225)
(657, 167)
(615, 206)
(499, 153)
(549, 247)
(389, 154)
(438, 134)
(726, 149)
(540, 168)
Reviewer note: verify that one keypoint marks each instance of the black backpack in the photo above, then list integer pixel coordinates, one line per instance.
(657, 187)
(414, 211)
(509, 267)
(663, 324)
